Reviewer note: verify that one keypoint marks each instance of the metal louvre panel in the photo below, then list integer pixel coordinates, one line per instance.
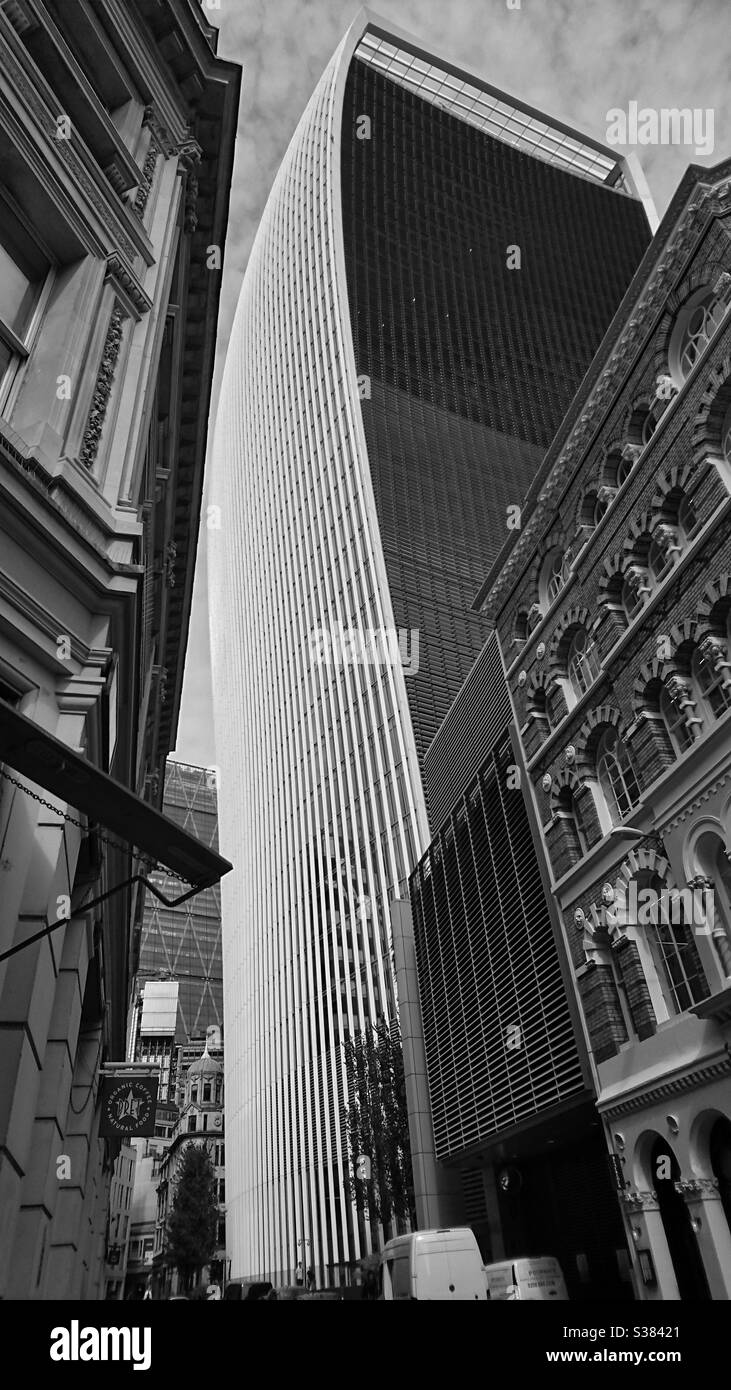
(474, 722)
(487, 966)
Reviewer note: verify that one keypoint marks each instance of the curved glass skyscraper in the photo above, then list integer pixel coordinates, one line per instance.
(394, 375)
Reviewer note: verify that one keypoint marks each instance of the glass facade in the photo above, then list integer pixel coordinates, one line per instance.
(339, 512)
(184, 943)
(471, 364)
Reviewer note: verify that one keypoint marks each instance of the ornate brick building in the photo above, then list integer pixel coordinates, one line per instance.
(117, 125)
(612, 605)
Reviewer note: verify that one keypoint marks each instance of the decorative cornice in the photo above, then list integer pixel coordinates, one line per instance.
(102, 389)
(688, 1081)
(28, 95)
(691, 806)
(119, 271)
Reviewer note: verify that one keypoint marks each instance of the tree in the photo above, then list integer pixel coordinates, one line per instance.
(192, 1223)
(378, 1124)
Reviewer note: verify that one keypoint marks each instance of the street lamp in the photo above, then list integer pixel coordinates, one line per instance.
(303, 1242)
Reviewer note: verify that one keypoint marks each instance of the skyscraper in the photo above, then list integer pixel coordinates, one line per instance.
(184, 943)
(434, 270)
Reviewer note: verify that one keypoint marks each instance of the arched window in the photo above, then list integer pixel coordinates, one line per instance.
(664, 549)
(710, 683)
(601, 506)
(567, 812)
(687, 516)
(582, 664)
(616, 775)
(556, 571)
(674, 718)
(538, 705)
(695, 326)
(534, 616)
(671, 936)
(624, 468)
(520, 626)
(635, 590)
(651, 421)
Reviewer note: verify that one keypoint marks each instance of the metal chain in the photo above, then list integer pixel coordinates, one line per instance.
(145, 859)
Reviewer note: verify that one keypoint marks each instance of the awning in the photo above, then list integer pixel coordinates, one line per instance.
(68, 775)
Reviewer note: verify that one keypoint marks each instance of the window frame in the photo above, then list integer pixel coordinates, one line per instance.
(583, 667)
(21, 345)
(606, 756)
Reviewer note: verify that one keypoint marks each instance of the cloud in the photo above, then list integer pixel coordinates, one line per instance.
(573, 59)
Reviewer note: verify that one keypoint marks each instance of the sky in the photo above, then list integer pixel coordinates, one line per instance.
(574, 59)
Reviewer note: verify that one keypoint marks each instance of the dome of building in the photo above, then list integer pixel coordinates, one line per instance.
(205, 1066)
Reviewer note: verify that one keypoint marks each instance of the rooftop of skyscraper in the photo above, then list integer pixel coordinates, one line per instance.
(464, 94)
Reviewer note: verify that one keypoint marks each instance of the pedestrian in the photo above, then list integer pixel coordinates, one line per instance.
(311, 1279)
(298, 1275)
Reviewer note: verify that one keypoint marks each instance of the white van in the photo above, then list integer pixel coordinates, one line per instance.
(533, 1278)
(433, 1265)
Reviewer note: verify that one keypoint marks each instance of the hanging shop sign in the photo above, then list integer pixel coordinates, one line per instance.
(128, 1106)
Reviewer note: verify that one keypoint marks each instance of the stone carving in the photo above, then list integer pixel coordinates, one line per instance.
(547, 781)
(636, 580)
(171, 555)
(639, 1201)
(102, 389)
(120, 272)
(606, 495)
(667, 538)
(631, 453)
(541, 650)
(713, 648)
(679, 690)
(534, 616)
(579, 919)
(570, 753)
(698, 1189)
(159, 131)
(148, 174)
(190, 157)
(522, 678)
(722, 287)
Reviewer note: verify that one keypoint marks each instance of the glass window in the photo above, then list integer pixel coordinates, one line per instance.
(696, 325)
(616, 776)
(634, 591)
(680, 735)
(24, 270)
(687, 518)
(556, 573)
(399, 1269)
(683, 971)
(583, 662)
(715, 692)
(661, 559)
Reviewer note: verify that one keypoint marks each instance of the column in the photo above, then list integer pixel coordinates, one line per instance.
(708, 1219)
(642, 1213)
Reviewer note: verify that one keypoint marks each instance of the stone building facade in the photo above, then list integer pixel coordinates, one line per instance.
(117, 126)
(120, 1222)
(613, 609)
(201, 1121)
